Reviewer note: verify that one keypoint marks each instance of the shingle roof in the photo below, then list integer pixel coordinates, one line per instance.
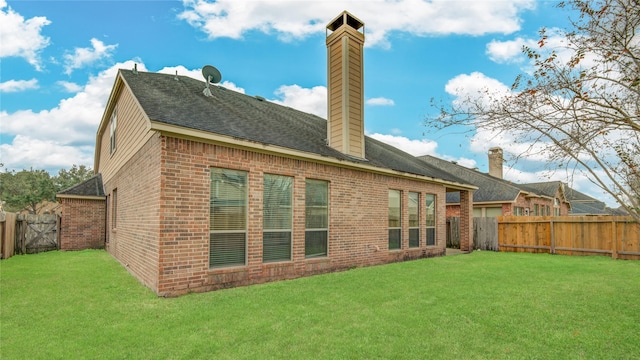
(179, 101)
(90, 187)
(548, 189)
(575, 195)
(490, 188)
(588, 208)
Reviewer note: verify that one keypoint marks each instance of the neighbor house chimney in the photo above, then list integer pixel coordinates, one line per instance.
(495, 162)
(345, 88)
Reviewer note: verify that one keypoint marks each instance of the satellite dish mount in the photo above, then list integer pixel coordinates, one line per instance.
(211, 76)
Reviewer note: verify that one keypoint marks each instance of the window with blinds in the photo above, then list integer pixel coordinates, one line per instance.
(430, 211)
(227, 218)
(316, 218)
(414, 219)
(395, 219)
(277, 218)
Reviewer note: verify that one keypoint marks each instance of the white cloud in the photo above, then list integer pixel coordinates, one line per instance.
(25, 152)
(380, 101)
(299, 19)
(61, 136)
(475, 85)
(312, 100)
(69, 86)
(82, 57)
(509, 51)
(20, 37)
(18, 85)
(413, 147)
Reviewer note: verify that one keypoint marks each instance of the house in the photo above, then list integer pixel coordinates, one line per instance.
(206, 188)
(584, 205)
(498, 197)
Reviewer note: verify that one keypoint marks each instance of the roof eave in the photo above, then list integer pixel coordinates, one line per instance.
(179, 131)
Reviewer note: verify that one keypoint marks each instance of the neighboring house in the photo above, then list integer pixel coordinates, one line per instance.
(207, 188)
(547, 198)
(584, 205)
(498, 197)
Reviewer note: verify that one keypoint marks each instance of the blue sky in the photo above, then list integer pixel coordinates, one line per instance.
(59, 59)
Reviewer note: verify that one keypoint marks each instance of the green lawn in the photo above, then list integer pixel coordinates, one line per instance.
(481, 306)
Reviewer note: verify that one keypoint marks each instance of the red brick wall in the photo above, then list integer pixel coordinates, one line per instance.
(135, 237)
(82, 224)
(358, 234)
(466, 228)
(453, 210)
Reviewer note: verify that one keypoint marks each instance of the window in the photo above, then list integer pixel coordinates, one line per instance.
(277, 218)
(556, 206)
(430, 210)
(114, 208)
(112, 132)
(536, 210)
(493, 211)
(414, 219)
(518, 211)
(227, 218)
(316, 218)
(548, 210)
(395, 219)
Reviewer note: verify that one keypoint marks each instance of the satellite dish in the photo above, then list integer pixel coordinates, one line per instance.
(211, 74)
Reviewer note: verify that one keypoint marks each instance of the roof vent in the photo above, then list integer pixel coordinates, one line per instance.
(260, 98)
(211, 75)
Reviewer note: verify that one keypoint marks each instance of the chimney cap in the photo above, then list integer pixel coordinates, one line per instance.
(345, 17)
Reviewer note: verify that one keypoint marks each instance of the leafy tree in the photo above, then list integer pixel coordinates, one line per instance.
(25, 189)
(580, 105)
(68, 178)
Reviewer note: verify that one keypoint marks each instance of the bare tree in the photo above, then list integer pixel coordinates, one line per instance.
(579, 106)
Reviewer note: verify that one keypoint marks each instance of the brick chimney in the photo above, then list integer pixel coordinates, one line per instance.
(495, 162)
(345, 85)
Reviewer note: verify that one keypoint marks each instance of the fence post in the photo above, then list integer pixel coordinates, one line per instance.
(552, 250)
(614, 239)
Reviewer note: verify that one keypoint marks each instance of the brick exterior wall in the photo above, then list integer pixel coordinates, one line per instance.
(466, 227)
(82, 224)
(162, 232)
(135, 236)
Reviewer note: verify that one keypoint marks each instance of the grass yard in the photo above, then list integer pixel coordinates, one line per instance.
(480, 306)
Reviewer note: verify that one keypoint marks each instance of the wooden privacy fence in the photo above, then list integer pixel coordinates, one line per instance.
(29, 234)
(485, 233)
(615, 236)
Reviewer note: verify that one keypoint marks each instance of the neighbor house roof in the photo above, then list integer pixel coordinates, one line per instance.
(490, 189)
(547, 189)
(89, 188)
(583, 204)
(173, 103)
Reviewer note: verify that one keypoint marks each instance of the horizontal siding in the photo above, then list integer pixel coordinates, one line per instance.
(131, 135)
